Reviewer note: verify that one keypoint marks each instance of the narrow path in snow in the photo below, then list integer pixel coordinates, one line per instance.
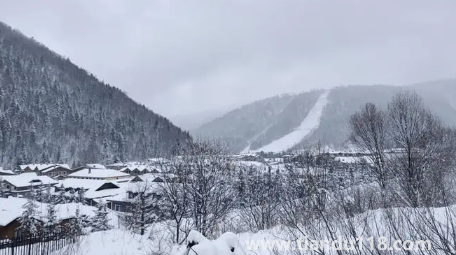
(310, 123)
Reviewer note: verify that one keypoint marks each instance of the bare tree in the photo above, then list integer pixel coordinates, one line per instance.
(175, 198)
(408, 143)
(260, 202)
(422, 141)
(369, 133)
(210, 191)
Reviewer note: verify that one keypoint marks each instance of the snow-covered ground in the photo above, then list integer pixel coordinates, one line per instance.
(111, 242)
(310, 123)
(409, 224)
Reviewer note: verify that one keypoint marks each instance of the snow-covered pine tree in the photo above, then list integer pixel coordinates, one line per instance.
(278, 186)
(241, 187)
(61, 198)
(39, 196)
(51, 225)
(105, 151)
(29, 223)
(100, 222)
(81, 196)
(77, 224)
(73, 198)
(47, 196)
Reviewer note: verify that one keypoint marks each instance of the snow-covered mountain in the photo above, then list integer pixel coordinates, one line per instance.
(53, 111)
(293, 121)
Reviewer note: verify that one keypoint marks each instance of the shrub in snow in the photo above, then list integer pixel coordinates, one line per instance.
(226, 244)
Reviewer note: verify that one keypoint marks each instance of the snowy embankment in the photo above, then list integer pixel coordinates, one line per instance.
(310, 123)
(405, 224)
(111, 242)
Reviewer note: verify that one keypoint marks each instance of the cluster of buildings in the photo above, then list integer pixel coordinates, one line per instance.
(97, 181)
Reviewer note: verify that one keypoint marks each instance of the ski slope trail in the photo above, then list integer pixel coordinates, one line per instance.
(310, 123)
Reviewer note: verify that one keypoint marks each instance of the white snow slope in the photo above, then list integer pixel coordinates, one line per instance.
(310, 123)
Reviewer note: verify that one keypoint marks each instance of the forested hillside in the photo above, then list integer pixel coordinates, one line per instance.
(284, 114)
(260, 122)
(53, 111)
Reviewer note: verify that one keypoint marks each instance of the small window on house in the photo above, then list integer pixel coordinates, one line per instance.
(117, 208)
(131, 195)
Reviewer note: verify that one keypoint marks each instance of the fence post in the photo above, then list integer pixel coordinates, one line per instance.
(12, 246)
(29, 246)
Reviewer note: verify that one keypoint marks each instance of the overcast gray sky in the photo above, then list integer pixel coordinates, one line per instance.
(187, 56)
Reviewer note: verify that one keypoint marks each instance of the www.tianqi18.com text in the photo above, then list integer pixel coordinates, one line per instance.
(306, 244)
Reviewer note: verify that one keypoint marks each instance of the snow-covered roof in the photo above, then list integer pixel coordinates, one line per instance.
(98, 173)
(133, 187)
(28, 179)
(106, 193)
(153, 177)
(140, 168)
(11, 209)
(91, 187)
(2, 171)
(78, 183)
(54, 167)
(41, 167)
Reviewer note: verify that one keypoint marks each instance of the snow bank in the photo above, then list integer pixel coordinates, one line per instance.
(112, 242)
(226, 244)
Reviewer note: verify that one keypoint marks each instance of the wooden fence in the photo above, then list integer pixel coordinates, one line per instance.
(35, 245)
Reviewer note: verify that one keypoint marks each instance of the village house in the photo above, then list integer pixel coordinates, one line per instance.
(94, 190)
(11, 210)
(56, 171)
(38, 168)
(123, 202)
(22, 184)
(50, 170)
